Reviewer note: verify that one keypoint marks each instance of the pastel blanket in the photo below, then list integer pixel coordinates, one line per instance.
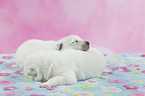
(124, 76)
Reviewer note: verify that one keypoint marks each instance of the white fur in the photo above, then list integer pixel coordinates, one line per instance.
(32, 46)
(64, 67)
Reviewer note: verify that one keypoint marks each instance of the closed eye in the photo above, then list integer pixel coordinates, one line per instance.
(75, 42)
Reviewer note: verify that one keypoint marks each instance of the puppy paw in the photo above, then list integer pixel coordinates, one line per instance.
(45, 85)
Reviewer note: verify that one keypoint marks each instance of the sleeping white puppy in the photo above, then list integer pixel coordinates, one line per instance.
(63, 67)
(32, 46)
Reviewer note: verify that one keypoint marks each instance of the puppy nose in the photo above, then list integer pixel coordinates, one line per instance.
(87, 42)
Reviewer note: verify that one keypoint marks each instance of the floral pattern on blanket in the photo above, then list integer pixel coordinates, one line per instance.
(124, 76)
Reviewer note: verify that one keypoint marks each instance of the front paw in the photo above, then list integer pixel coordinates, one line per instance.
(43, 85)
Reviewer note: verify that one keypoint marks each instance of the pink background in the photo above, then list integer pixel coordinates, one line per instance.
(118, 25)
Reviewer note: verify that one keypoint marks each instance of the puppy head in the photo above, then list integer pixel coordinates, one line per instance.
(38, 77)
(72, 42)
(32, 74)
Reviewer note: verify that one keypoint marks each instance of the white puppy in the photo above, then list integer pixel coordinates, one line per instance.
(32, 46)
(63, 67)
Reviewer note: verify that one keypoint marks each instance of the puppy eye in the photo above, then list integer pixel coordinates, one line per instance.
(76, 41)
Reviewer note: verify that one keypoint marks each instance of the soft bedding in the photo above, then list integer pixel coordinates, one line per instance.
(124, 76)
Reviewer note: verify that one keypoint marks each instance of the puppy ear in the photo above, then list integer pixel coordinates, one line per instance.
(59, 46)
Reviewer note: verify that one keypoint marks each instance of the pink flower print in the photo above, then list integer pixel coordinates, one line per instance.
(7, 57)
(107, 72)
(1, 62)
(135, 93)
(132, 65)
(14, 77)
(130, 87)
(119, 75)
(143, 55)
(5, 74)
(29, 88)
(12, 66)
(137, 69)
(143, 87)
(10, 88)
(19, 72)
(35, 95)
(92, 81)
(11, 94)
(105, 54)
(6, 82)
(117, 81)
(110, 65)
(123, 69)
(51, 88)
(143, 72)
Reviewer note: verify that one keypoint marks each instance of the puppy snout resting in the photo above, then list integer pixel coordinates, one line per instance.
(85, 46)
(87, 42)
(31, 72)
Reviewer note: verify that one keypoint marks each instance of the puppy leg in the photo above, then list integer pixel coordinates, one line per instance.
(64, 78)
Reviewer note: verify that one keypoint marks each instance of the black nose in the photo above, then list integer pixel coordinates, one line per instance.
(87, 42)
